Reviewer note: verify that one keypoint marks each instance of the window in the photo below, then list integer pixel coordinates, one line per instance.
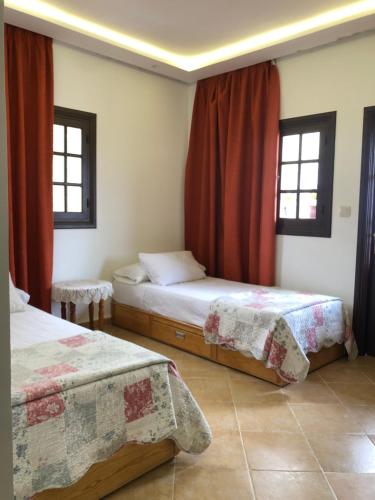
(305, 182)
(74, 169)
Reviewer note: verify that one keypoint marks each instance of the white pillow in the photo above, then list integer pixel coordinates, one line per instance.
(24, 296)
(15, 302)
(171, 267)
(132, 274)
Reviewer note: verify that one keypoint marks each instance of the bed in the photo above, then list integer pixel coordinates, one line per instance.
(214, 318)
(92, 412)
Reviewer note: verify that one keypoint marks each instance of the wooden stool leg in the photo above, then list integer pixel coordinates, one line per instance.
(101, 314)
(63, 310)
(72, 309)
(91, 315)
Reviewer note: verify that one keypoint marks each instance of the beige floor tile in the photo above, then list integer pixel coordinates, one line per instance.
(353, 486)
(314, 377)
(220, 416)
(343, 452)
(343, 373)
(147, 342)
(237, 375)
(165, 350)
(225, 451)
(311, 390)
(278, 451)
(326, 418)
(365, 416)
(364, 362)
(156, 484)
(354, 394)
(193, 366)
(273, 485)
(370, 373)
(283, 464)
(199, 483)
(266, 417)
(253, 390)
(209, 389)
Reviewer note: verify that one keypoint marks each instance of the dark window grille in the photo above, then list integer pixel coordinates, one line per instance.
(305, 179)
(74, 169)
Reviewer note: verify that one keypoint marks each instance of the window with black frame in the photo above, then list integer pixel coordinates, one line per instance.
(74, 169)
(305, 181)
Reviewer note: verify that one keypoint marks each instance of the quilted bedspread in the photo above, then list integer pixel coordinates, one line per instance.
(78, 400)
(279, 327)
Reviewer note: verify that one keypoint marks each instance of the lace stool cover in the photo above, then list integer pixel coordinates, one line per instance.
(82, 292)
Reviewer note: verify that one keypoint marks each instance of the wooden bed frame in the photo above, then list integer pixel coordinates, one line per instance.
(130, 462)
(190, 338)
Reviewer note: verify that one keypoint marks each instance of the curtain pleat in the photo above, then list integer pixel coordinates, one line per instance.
(30, 112)
(231, 174)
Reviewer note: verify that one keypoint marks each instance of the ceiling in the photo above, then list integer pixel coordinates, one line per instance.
(191, 39)
(193, 26)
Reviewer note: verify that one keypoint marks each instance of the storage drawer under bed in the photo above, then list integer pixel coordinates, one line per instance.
(180, 338)
(131, 319)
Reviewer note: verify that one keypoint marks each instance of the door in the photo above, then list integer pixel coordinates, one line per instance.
(364, 299)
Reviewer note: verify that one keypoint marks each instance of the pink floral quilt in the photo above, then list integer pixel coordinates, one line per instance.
(279, 327)
(78, 400)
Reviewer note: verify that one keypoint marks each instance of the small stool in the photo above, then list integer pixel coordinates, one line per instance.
(82, 292)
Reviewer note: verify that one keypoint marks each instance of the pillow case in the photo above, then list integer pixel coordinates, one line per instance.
(172, 267)
(132, 274)
(16, 304)
(24, 296)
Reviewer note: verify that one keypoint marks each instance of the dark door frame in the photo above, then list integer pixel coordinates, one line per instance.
(366, 220)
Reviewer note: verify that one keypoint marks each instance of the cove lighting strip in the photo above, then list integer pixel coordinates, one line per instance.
(326, 19)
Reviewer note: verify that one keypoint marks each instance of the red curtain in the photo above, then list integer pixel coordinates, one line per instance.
(231, 174)
(29, 92)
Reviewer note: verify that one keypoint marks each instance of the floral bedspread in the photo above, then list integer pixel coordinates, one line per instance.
(279, 327)
(78, 400)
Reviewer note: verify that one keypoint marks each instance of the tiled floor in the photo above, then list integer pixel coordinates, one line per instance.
(310, 441)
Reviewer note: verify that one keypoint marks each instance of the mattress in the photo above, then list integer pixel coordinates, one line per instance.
(187, 302)
(33, 326)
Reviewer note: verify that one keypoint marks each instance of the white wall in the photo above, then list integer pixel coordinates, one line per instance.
(141, 151)
(338, 78)
(6, 467)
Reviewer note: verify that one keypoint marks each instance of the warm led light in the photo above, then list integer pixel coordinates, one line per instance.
(285, 33)
(47, 12)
